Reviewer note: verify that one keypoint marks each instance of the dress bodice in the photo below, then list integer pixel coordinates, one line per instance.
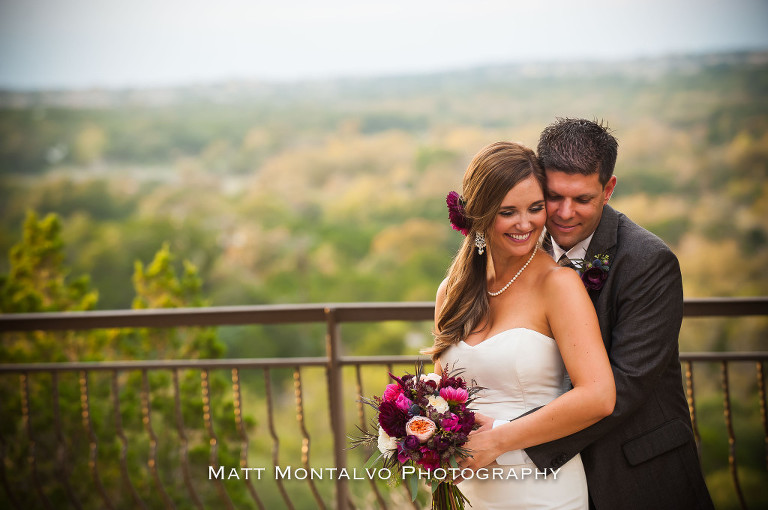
(520, 369)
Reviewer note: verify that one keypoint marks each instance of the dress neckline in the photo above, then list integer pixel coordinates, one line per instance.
(503, 332)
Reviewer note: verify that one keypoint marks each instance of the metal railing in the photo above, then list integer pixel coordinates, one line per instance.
(333, 363)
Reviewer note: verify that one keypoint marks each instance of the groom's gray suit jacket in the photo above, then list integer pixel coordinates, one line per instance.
(643, 455)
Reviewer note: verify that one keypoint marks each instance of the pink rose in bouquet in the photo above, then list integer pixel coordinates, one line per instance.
(421, 427)
(403, 402)
(392, 391)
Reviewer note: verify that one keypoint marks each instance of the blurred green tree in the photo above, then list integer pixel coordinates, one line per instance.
(37, 280)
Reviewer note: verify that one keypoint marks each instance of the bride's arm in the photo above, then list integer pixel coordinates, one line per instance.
(574, 326)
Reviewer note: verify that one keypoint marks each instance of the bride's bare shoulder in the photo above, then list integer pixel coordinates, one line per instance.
(559, 280)
(544, 267)
(442, 289)
(545, 272)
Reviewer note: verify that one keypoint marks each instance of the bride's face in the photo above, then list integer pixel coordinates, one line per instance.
(520, 220)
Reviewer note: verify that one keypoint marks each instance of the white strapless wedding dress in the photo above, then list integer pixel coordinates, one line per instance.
(520, 369)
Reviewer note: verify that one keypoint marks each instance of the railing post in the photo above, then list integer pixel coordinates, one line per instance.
(336, 404)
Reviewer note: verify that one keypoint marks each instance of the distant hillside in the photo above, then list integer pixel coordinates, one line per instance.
(334, 190)
(348, 89)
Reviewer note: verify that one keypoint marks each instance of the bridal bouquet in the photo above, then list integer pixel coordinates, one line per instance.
(422, 423)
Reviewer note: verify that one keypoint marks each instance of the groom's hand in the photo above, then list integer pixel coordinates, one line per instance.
(483, 448)
(477, 458)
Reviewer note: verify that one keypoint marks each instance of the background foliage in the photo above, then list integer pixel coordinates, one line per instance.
(334, 191)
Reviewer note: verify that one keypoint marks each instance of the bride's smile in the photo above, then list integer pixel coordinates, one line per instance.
(519, 237)
(519, 221)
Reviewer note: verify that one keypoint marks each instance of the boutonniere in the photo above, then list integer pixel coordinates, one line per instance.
(593, 272)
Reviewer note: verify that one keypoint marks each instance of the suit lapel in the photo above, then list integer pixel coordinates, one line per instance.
(603, 243)
(604, 240)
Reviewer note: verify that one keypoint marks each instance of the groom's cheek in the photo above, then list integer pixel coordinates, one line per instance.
(551, 207)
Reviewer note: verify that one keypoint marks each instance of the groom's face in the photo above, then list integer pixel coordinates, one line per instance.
(575, 205)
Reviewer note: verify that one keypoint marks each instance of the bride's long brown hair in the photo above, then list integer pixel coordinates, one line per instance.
(495, 170)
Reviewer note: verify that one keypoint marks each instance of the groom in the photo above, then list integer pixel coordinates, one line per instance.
(643, 455)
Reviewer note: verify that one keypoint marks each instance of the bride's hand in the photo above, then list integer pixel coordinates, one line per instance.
(485, 422)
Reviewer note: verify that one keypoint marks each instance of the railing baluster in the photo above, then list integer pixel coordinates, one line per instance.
(146, 411)
(208, 418)
(123, 442)
(238, 406)
(32, 455)
(763, 412)
(93, 445)
(304, 435)
(359, 391)
(731, 436)
(692, 405)
(336, 403)
(183, 440)
(275, 440)
(364, 427)
(63, 461)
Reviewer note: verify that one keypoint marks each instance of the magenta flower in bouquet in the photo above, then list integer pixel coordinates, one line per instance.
(422, 423)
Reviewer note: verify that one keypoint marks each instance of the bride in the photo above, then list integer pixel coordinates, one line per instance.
(517, 323)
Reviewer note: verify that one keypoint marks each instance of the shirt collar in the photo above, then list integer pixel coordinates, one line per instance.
(578, 251)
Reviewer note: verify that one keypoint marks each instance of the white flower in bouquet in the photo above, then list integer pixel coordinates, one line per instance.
(435, 378)
(386, 443)
(439, 403)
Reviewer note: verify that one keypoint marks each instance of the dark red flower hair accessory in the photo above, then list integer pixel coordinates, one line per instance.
(456, 212)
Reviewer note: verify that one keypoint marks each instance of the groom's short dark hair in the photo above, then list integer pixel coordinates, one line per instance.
(578, 146)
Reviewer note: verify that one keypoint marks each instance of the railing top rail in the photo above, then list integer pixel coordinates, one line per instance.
(216, 316)
(285, 314)
(725, 306)
(198, 364)
(724, 356)
(225, 364)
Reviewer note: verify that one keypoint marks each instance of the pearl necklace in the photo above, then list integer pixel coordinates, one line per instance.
(515, 277)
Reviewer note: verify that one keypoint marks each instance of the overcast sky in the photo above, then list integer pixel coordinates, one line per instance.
(118, 43)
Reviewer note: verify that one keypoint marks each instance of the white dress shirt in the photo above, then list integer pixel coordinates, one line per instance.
(578, 251)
